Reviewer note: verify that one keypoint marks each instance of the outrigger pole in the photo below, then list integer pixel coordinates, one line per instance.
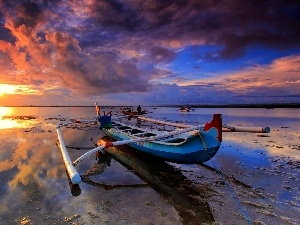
(123, 142)
(225, 128)
(72, 172)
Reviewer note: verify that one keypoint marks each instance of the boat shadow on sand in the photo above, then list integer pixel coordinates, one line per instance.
(189, 200)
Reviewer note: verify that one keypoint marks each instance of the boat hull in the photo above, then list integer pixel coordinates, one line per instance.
(194, 147)
(187, 157)
(189, 153)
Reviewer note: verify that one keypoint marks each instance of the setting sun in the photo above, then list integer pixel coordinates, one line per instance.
(7, 89)
(10, 89)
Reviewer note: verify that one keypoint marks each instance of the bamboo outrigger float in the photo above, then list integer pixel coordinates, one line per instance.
(186, 144)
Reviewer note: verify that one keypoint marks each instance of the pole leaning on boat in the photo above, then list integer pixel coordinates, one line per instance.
(71, 170)
(228, 128)
(74, 176)
(128, 141)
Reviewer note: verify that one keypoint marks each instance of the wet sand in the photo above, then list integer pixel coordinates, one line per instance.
(244, 181)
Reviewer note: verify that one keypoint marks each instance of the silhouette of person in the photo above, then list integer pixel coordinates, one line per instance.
(139, 110)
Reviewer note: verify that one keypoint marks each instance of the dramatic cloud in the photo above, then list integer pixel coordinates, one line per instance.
(115, 48)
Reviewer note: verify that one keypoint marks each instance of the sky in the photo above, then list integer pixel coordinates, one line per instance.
(149, 52)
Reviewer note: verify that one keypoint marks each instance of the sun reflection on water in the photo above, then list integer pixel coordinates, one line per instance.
(6, 123)
(8, 120)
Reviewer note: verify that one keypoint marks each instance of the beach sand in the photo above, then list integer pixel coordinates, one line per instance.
(248, 181)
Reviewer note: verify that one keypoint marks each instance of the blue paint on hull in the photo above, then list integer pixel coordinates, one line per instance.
(197, 156)
(190, 152)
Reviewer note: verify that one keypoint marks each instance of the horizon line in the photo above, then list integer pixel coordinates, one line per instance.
(242, 105)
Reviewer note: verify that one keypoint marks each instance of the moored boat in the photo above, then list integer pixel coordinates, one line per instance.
(129, 112)
(187, 144)
(184, 109)
(191, 144)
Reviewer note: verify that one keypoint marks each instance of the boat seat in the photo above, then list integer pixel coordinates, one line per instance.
(124, 128)
(146, 135)
(170, 139)
(176, 140)
(136, 131)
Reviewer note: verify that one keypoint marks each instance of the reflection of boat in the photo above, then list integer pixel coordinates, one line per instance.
(104, 160)
(189, 200)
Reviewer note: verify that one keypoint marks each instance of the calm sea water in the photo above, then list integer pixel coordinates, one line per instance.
(35, 189)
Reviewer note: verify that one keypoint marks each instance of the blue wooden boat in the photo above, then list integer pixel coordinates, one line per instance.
(187, 144)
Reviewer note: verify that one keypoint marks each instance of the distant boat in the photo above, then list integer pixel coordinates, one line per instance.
(129, 112)
(184, 109)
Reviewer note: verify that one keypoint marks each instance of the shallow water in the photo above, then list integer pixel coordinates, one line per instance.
(262, 171)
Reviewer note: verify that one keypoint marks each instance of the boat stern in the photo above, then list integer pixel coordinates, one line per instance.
(217, 124)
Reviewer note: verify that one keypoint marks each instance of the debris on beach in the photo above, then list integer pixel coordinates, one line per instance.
(24, 221)
(19, 117)
(69, 219)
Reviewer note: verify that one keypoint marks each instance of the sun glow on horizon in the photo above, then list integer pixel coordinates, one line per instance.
(7, 89)
(10, 89)
(5, 111)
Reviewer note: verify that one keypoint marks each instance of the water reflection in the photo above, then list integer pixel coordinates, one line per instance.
(32, 163)
(284, 142)
(25, 166)
(34, 182)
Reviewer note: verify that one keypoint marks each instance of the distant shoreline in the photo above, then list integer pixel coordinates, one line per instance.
(267, 106)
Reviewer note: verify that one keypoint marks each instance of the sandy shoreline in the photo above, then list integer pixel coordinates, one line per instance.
(244, 181)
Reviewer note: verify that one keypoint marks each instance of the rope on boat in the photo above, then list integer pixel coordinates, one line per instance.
(226, 184)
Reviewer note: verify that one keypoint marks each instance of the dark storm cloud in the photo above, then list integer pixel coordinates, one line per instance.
(234, 24)
(116, 14)
(102, 73)
(24, 12)
(28, 14)
(5, 34)
(159, 54)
